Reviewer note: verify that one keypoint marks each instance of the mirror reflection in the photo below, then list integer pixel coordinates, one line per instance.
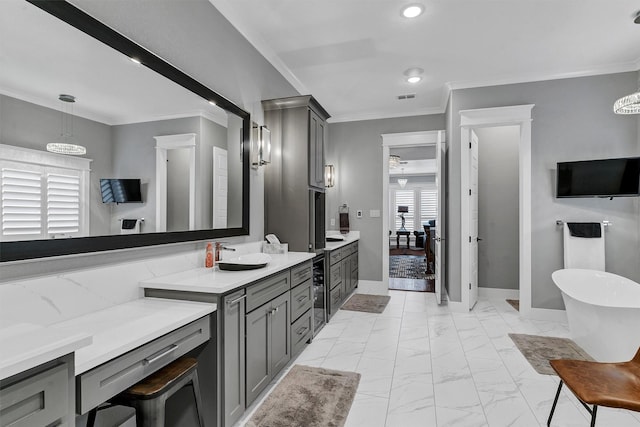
(158, 157)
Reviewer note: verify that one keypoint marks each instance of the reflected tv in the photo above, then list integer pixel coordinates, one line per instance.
(599, 178)
(120, 190)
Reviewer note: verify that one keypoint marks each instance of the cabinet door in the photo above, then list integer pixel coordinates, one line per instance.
(346, 276)
(316, 150)
(234, 352)
(280, 333)
(257, 345)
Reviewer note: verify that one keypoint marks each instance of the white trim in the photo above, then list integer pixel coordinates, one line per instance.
(43, 158)
(456, 306)
(490, 117)
(547, 314)
(403, 139)
(498, 294)
(372, 287)
(163, 145)
(385, 115)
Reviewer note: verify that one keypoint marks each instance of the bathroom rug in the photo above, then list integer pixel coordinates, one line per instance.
(367, 303)
(538, 350)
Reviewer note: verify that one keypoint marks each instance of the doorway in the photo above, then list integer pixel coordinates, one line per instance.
(519, 116)
(411, 240)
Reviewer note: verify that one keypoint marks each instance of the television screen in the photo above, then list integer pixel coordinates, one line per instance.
(599, 178)
(120, 190)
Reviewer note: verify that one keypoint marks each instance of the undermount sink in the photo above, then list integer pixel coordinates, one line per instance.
(245, 262)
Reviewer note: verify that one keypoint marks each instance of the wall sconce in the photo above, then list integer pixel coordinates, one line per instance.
(260, 146)
(329, 176)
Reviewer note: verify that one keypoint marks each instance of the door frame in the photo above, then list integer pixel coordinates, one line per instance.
(518, 115)
(396, 140)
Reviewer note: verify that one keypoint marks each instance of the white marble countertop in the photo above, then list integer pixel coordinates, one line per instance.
(212, 281)
(350, 237)
(27, 345)
(123, 327)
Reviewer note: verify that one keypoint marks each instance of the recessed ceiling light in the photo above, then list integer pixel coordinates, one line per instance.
(135, 61)
(212, 103)
(413, 10)
(414, 79)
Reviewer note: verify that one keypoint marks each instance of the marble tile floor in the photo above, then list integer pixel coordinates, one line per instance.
(423, 365)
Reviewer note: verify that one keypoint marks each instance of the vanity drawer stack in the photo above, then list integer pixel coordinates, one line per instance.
(301, 302)
(343, 275)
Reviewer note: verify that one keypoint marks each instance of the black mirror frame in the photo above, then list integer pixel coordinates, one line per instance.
(25, 250)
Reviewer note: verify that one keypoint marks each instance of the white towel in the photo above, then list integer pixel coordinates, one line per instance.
(581, 252)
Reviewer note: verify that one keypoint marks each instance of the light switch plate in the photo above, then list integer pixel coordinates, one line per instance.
(374, 213)
(333, 222)
(359, 213)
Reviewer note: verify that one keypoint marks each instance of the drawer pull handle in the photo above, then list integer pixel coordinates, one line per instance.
(171, 348)
(237, 300)
(302, 330)
(302, 298)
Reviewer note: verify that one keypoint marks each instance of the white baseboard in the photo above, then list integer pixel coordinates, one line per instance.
(547, 314)
(372, 287)
(498, 293)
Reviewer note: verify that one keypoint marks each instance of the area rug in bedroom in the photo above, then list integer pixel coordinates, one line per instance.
(407, 267)
(309, 397)
(538, 350)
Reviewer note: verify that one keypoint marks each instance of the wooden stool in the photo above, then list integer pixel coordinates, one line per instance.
(148, 397)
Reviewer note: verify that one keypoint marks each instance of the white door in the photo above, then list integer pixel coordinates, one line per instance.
(473, 220)
(440, 217)
(220, 188)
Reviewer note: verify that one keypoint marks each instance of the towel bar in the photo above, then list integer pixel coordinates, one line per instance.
(604, 223)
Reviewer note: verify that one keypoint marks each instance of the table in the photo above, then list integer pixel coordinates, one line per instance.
(402, 233)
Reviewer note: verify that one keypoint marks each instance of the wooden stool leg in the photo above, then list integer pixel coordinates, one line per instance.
(555, 401)
(593, 415)
(196, 394)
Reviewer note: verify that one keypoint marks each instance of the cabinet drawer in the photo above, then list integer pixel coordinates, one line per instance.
(335, 256)
(353, 248)
(300, 333)
(335, 275)
(266, 290)
(336, 298)
(301, 273)
(107, 380)
(301, 297)
(38, 400)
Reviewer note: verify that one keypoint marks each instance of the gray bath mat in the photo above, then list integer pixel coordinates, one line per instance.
(515, 303)
(538, 350)
(367, 303)
(309, 397)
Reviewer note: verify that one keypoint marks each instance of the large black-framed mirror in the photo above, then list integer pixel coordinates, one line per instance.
(210, 122)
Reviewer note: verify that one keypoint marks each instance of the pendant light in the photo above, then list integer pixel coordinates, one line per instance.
(394, 161)
(65, 143)
(629, 104)
(402, 181)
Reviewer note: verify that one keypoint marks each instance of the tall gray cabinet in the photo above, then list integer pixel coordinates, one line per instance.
(294, 181)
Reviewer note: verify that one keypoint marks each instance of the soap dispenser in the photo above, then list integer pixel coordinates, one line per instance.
(208, 259)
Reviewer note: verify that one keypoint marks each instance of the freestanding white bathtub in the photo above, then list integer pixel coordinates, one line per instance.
(603, 310)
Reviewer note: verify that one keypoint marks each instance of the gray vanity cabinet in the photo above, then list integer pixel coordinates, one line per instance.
(268, 344)
(39, 397)
(234, 354)
(343, 276)
(316, 150)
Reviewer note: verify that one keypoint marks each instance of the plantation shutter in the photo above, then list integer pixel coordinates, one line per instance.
(404, 198)
(21, 192)
(428, 204)
(63, 204)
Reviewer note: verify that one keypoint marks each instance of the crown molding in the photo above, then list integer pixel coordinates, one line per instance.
(382, 115)
(256, 40)
(605, 69)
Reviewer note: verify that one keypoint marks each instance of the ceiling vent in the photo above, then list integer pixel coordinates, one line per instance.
(409, 96)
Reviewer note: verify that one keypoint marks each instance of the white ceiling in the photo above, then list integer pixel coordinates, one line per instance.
(351, 54)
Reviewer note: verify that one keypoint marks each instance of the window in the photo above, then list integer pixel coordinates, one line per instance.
(419, 199)
(42, 201)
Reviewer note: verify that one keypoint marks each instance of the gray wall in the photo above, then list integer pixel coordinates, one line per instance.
(355, 148)
(498, 207)
(27, 125)
(572, 120)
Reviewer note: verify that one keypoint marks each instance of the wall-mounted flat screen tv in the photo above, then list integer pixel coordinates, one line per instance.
(599, 178)
(120, 190)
